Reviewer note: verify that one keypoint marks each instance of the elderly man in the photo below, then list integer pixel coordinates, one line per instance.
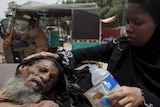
(33, 84)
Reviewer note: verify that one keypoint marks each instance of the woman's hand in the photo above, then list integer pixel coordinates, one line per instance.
(125, 97)
(44, 54)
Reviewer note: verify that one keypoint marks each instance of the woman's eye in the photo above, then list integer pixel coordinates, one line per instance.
(137, 22)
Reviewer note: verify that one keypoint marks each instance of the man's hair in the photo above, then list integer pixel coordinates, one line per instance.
(35, 60)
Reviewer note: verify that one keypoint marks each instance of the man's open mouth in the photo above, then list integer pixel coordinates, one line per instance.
(35, 85)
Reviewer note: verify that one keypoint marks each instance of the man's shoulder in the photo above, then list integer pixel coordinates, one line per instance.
(2, 91)
(39, 104)
(6, 102)
(2, 94)
(42, 103)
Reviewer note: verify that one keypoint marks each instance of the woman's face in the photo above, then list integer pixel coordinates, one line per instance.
(140, 25)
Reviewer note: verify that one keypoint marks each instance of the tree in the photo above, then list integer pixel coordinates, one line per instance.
(107, 8)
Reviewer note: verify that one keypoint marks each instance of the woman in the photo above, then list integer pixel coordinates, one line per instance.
(133, 60)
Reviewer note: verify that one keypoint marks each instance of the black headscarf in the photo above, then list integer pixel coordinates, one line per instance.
(140, 66)
(153, 8)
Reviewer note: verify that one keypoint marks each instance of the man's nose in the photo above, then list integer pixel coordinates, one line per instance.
(45, 77)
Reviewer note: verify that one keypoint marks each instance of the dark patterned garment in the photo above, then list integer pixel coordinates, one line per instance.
(130, 65)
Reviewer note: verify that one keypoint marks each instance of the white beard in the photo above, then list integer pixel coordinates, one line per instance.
(17, 92)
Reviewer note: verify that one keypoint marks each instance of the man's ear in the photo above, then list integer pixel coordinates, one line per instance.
(22, 68)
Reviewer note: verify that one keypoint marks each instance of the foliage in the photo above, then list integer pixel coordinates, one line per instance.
(107, 8)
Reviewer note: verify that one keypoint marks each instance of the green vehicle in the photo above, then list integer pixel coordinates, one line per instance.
(82, 21)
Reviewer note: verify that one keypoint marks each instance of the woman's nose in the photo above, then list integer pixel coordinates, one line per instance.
(129, 28)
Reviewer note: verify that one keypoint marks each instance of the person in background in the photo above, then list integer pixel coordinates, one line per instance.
(17, 28)
(36, 38)
(33, 84)
(134, 60)
(17, 32)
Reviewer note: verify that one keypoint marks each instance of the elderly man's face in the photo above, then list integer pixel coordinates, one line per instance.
(41, 76)
(33, 80)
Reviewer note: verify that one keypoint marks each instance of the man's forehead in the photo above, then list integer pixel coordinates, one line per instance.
(43, 66)
(39, 63)
(44, 62)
